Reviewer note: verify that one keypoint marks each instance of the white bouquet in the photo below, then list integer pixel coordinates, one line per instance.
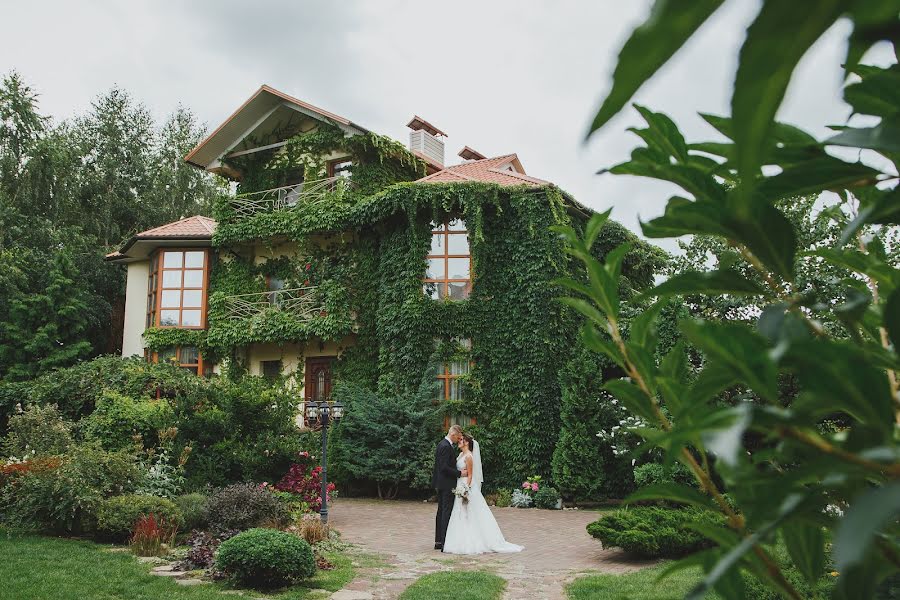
(462, 491)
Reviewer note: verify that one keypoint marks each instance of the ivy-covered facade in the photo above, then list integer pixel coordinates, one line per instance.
(346, 256)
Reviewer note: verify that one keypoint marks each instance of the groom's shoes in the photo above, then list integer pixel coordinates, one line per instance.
(439, 547)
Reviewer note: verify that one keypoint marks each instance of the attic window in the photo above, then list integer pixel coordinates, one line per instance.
(342, 167)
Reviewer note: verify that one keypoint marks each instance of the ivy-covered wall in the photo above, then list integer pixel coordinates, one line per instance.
(366, 251)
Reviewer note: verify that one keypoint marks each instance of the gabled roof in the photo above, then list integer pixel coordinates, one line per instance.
(190, 229)
(252, 114)
(503, 170)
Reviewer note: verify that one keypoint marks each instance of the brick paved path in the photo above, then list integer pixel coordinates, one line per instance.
(557, 547)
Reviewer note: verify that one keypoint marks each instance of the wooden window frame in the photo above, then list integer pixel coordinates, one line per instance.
(157, 272)
(446, 280)
(446, 377)
(329, 165)
(200, 365)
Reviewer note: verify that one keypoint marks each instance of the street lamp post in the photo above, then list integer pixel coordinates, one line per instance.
(323, 412)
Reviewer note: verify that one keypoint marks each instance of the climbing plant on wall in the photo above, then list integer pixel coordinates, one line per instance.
(364, 249)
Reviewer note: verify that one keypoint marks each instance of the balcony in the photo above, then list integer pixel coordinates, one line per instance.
(301, 303)
(287, 197)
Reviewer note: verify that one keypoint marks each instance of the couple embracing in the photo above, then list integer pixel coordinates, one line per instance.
(464, 523)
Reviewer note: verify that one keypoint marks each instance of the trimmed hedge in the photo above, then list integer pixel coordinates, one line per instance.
(243, 506)
(266, 558)
(546, 497)
(117, 516)
(654, 532)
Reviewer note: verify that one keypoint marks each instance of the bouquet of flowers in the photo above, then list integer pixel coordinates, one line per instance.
(462, 491)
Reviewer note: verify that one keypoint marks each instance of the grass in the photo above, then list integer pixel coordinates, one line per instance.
(639, 585)
(37, 568)
(456, 585)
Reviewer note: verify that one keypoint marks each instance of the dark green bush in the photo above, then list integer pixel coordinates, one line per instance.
(116, 517)
(546, 497)
(243, 506)
(37, 431)
(651, 473)
(67, 498)
(77, 389)
(654, 532)
(266, 558)
(118, 418)
(194, 510)
(584, 466)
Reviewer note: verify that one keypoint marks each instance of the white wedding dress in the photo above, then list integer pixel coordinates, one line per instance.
(472, 528)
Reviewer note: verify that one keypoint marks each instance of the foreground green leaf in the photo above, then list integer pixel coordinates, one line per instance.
(776, 41)
(670, 24)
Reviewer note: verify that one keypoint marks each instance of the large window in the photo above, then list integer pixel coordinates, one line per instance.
(449, 262)
(177, 291)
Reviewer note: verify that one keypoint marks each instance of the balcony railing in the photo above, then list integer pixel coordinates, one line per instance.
(287, 197)
(301, 302)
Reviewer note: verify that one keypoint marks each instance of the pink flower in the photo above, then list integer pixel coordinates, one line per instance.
(534, 487)
(525, 485)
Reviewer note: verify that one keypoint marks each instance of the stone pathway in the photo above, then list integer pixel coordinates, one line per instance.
(557, 548)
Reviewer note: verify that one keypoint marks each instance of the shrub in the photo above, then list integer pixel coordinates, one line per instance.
(117, 516)
(242, 506)
(202, 551)
(304, 481)
(652, 473)
(520, 499)
(546, 497)
(369, 419)
(193, 510)
(118, 419)
(152, 536)
(37, 431)
(67, 498)
(312, 530)
(161, 478)
(266, 558)
(652, 532)
(504, 498)
(585, 465)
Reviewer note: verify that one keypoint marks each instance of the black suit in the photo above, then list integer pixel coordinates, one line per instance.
(444, 480)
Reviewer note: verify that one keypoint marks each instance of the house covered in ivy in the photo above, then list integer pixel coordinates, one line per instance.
(345, 255)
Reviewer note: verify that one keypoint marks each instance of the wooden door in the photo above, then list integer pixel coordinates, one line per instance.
(318, 378)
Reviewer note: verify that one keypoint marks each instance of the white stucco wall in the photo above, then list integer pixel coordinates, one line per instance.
(135, 308)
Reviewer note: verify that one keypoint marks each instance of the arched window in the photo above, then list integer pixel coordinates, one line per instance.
(449, 272)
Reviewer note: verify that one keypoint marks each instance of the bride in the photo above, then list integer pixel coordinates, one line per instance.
(472, 528)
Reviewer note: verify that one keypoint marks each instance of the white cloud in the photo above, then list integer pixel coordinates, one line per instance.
(501, 75)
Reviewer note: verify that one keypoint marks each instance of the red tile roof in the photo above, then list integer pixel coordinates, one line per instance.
(193, 227)
(189, 228)
(490, 170)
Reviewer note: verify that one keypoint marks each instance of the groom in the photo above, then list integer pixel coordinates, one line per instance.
(444, 480)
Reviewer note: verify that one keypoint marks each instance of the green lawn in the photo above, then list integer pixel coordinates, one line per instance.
(42, 568)
(456, 585)
(640, 585)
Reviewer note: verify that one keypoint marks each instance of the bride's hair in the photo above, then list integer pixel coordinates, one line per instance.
(469, 441)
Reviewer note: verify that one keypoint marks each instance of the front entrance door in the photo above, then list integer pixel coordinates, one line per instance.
(318, 378)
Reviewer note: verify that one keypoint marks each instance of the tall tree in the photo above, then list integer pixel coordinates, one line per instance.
(180, 190)
(116, 142)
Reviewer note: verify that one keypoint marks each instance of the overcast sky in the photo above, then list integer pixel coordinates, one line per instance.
(500, 76)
